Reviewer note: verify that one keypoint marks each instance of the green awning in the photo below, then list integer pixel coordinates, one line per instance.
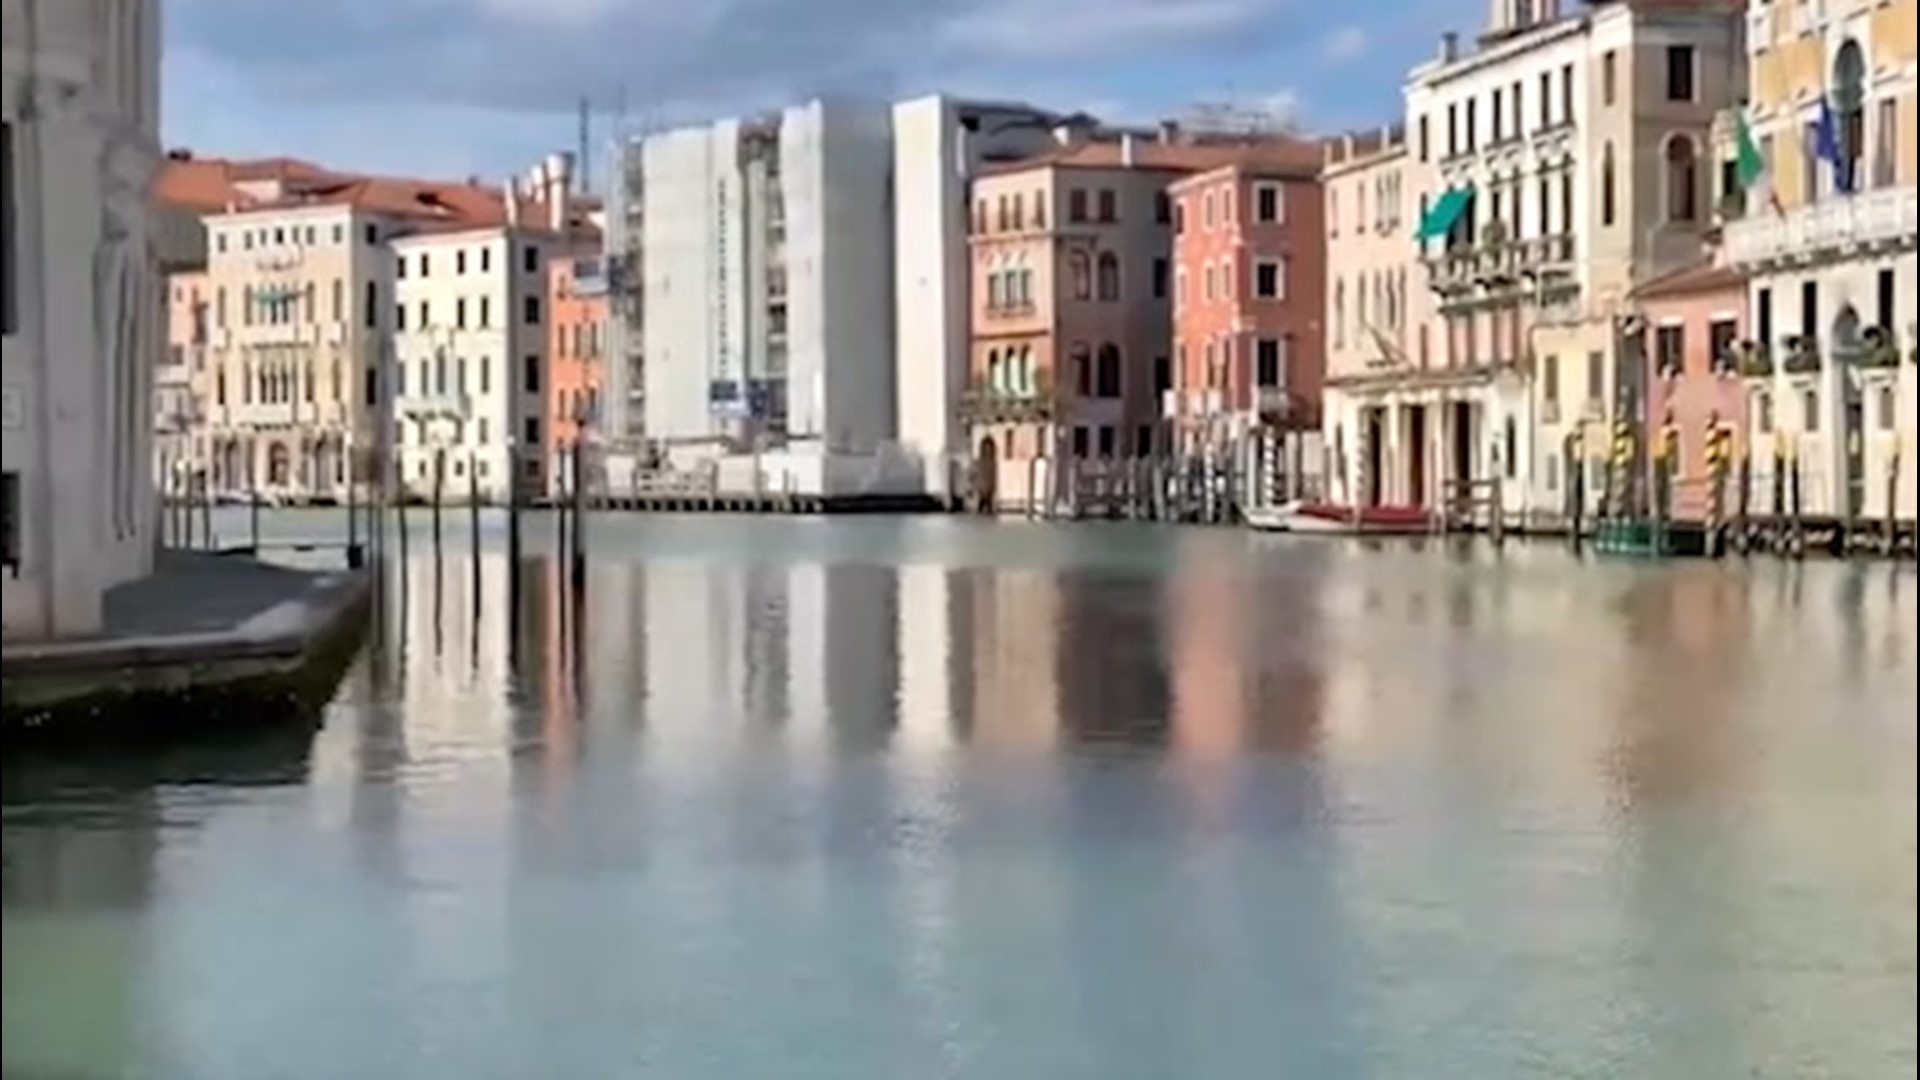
(1443, 213)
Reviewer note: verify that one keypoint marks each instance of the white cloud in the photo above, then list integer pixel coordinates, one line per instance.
(1344, 44)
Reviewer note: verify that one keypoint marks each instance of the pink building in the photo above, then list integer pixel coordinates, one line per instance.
(1249, 256)
(1694, 319)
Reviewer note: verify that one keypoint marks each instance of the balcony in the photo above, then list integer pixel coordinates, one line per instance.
(1878, 349)
(1273, 401)
(985, 403)
(1844, 224)
(1754, 360)
(1803, 356)
(431, 405)
(1499, 262)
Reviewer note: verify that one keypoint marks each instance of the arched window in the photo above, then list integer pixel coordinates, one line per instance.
(1081, 359)
(1024, 372)
(1683, 179)
(1606, 184)
(279, 464)
(993, 371)
(1109, 276)
(1850, 99)
(1108, 382)
(1080, 272)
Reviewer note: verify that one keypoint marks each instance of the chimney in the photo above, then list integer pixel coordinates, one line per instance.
(559, 170)
(1449, 47)
(1126, 150)
(1169, 132)
(511, 194)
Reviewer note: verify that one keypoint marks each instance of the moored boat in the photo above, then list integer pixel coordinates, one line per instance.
(1334, 520)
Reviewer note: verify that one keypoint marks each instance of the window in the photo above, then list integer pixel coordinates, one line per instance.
(486, 259)
(1180, 217)
(1270, 279)
(1162, 374)
(1886, 142)
(1888, 410)
(1810, 309)
(1109, 276)
(1499, 114)
(1596, 377)
(1076, 205)
(426, 264)
(1453, 130)
(1545, 202)
(1679, 73)
(1267, 362)
(9, 281)
(460, 313)
(1081, 359)
(1546, 100)
(1080, 275)
(1550, 379)
(1206, 211)
(1809, 161)
(1269, 204)
(1473, 124)
(370, 306)
(1566, 94)
(1607, 78)
(370, 387)
(1339, 314)
(1143, 441)
(1511, 459)
(1683, 180)
(425, 312)
(530, 309)
(530, 259)
(1763, 411)
(1109, 206)
(1421, 127)
(1080, 440)
(337, 301)
(1159, 278)
(1107, 380)
(1333, 211)
(1670, 349)
(459, 262)
(486, 375)
(1606, 183)
(399, 316)
(339, 234)
(480, 432)
(1884, 294)
(530, 374)
(220, 307)
(1106, 440)
(1162, 208)
(1810, 411)
(1720, 337)
(531, 428)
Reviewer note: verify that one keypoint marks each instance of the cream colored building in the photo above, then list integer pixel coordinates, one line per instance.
(80, 318)
(470, 341)
(1832, 266)
(1558, 160)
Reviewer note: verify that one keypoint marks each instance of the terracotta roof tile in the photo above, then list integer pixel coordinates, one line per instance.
(1703, 276)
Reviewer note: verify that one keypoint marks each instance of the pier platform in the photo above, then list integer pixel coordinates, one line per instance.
(206, 641)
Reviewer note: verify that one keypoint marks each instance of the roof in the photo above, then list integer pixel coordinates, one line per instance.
(1701, 277)
(226, 186)
(1180, 156)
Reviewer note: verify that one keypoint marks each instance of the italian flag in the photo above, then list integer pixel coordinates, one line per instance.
(1750, 168)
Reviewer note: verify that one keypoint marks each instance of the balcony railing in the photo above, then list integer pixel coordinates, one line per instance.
(1837, 223)
(1499, 261)
(1755, 360)
(984, 402)
(1878, 349)
(434, 404)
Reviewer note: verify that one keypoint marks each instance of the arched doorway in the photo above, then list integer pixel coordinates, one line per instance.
(1850, 112)
(986, 475)
(279, 465)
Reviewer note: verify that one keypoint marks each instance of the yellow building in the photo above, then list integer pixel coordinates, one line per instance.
(1829, 249)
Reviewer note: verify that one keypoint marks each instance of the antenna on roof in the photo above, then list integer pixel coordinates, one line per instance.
(585, 183)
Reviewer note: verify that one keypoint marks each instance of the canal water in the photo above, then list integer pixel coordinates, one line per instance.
(938, 798)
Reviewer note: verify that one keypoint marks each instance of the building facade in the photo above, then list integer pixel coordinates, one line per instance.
(1830, 256)
(577, 361)
(1382, 352)
(767, 287)
(939, 144)
(471, 339)
(81, 314)
(1695, 320)
(1249, 280)
(1556, 163)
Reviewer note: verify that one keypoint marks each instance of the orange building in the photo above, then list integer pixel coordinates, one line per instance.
(577, 297)
(1695, 319)
(1249, 256)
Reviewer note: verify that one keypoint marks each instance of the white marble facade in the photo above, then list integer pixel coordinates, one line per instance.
(83, 311)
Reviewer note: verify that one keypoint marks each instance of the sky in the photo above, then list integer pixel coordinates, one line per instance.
(456, 88)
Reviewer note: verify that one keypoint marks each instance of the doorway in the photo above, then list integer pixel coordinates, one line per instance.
(1417, 455)
(1462, 438)
(986, 475)
(1374, 435)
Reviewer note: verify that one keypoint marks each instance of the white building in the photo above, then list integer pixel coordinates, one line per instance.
(939, 143)
(82, 313)
(1557, 163)
(1831, 265)
(767, 292)
(470, 341)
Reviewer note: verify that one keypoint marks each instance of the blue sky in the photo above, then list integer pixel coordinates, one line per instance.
(483, 87)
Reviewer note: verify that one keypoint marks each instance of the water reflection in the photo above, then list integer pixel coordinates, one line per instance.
(944, 798)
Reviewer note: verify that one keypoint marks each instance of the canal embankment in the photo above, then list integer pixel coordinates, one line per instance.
(208, 641)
